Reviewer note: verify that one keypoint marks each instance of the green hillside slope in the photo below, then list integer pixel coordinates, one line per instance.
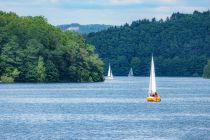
(180, 44)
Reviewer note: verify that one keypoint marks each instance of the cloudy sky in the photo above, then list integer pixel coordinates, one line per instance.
(114, 12)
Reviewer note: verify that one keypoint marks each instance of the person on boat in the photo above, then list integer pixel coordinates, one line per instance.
(155, 95)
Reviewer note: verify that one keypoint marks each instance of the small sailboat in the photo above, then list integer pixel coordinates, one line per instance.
(152, 95)
(130, 74)
(110, 75)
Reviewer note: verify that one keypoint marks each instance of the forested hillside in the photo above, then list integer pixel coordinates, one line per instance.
(83, 29)
(180, 45)
(31, 50)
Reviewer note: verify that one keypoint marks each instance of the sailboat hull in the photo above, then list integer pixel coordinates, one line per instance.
(153, 99)
(110, 78)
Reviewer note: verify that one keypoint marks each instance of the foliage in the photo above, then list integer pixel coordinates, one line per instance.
(206, 71)
(180, 44)
(10, 75)
(41, 71)
(31, 50)
(7, 79)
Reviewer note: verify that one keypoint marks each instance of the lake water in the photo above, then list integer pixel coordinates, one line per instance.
(109, 110)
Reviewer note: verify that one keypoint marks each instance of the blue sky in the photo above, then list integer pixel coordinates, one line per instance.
(114, 12)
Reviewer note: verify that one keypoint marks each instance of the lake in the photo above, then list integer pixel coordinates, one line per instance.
(111, 110)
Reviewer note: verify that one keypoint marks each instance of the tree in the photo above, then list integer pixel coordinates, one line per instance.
(41, 71)
(31, 74)
(10, 75)
(206, 71)
(52, 74)
(136, 65)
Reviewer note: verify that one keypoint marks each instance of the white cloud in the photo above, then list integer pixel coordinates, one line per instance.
(54, 1)
(168, 1)
(125, 2)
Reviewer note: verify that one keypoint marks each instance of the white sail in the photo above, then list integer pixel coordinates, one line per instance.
(130, 72)
(109, 71)
(110, 75)
(152, 83)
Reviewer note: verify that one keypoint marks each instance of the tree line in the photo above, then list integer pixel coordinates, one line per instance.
(180, 45)
(31, 50)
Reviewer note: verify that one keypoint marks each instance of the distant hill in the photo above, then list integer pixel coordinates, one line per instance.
(83, 29)
(180, 44)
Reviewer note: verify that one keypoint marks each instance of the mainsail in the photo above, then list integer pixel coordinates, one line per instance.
(110, 75)
(152, 83)
(130, 72)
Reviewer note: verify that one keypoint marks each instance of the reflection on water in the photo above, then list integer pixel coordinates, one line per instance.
(40, 118)
(71, 100)
(110, 110)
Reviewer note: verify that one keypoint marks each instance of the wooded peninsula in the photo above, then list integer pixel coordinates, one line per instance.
(31, 50)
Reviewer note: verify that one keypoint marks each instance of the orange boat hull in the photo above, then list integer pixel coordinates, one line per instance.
(153, 99)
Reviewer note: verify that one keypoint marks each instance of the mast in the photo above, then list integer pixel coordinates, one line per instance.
(152, 84)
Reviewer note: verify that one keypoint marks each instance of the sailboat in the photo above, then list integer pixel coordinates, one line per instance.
(130, 74)
(110, 75)
(152, 95)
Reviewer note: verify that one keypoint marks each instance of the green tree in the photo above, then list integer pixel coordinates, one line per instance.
(7, 79)
(136, 65)
(31, 74)
(52, 74)
(41, 70)
(10, 75)
(206, 71)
